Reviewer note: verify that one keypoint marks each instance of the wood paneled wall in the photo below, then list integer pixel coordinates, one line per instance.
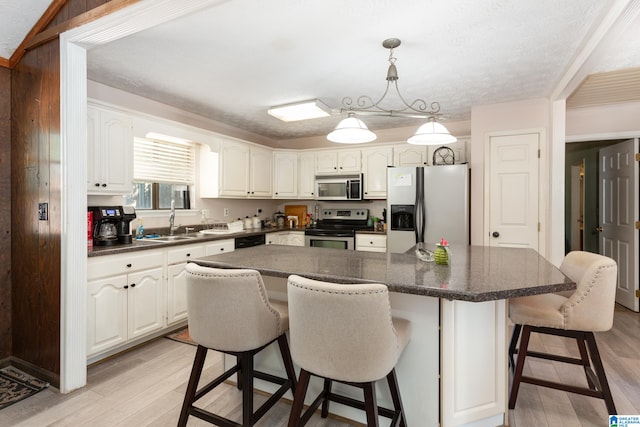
(5, 213)
(35, 178)
(35, 244)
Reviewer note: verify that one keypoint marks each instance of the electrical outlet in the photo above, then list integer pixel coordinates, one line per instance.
(226, 211)
(258, 211)
(205, 213)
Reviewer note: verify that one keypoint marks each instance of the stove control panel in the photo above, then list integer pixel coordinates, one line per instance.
(345, 214)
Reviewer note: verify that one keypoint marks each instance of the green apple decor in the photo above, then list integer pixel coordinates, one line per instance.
(441, 254)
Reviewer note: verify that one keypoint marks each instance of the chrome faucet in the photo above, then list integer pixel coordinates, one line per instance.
(172, 217)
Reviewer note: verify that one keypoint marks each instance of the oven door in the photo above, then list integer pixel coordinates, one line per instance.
(334, 242)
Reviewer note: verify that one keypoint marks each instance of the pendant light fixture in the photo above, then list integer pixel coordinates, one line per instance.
(353, 131)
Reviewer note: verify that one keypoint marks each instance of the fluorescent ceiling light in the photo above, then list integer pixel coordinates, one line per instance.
(300, 111)
(167, 138)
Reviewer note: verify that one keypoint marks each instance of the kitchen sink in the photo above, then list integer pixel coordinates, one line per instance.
(173, 238)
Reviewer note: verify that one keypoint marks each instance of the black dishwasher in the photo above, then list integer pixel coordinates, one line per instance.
(248, 241)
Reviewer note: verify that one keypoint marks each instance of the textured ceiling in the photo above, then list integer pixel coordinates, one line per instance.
(17, 17)
(237, 58)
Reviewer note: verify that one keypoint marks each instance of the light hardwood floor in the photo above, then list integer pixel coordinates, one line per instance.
(145, 387)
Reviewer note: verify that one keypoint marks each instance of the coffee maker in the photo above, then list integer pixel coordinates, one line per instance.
(111, 224)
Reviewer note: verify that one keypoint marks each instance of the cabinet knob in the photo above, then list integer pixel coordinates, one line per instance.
(104, 185)
(97, 184)
(188, 255)
(133, 285)
(126, 286)
(128, 265)
(276, 193)
(221, 249)
(495, 234)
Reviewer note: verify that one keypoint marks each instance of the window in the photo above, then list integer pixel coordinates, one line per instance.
(162, 171)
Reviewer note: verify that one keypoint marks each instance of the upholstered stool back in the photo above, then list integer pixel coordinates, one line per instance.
(229, 309)
(589, 308)
(343, 331)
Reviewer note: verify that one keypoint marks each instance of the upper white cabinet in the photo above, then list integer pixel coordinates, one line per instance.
(109, 151)
(306, 175)
(285, 175)
(338, 162)
(422, 155)
(245, 171)
(410, 155)
(374, 168)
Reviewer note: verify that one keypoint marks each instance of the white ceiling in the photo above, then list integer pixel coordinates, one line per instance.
(234, 60)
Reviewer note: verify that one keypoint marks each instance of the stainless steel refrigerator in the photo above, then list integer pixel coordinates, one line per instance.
(425, 204)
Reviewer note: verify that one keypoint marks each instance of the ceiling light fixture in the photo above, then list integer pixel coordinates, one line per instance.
(430, 133)
(312, 109)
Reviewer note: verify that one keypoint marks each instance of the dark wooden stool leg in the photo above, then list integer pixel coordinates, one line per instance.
(298, 399)
(584, 356)
(192, 386)
(325, 402)
(602, 377)
(246, 373)
(392, 379)
(288, 363)
(371, 404)
(513, 344)
(239, 376)
(517, 375)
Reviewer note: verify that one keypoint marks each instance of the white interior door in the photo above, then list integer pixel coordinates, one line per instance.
(513, 191)
(618, 213)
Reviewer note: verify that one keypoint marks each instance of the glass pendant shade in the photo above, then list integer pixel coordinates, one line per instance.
(351, 131)
(432, 133)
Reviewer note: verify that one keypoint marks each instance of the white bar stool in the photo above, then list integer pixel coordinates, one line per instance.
(229, 311)
(345, 333)
(577, 315)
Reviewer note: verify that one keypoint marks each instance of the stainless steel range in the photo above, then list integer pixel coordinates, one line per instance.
(337, 228)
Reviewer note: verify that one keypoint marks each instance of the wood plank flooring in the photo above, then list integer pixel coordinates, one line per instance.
(144, 387)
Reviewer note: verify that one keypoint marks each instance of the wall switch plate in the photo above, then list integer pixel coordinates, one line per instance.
(226, 211)
(43, 211)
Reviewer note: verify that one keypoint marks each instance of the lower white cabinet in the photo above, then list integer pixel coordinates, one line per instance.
(371, 242)
(176, 277)
(125, 299)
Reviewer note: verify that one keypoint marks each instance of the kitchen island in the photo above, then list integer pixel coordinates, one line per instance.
(454, 370)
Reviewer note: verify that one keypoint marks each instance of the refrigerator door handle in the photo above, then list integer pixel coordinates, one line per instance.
(419, 217)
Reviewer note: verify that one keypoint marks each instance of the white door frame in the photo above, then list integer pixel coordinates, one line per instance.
(543, 183)
(73, 164)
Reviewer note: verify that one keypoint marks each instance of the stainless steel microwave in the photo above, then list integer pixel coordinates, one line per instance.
(339, 187)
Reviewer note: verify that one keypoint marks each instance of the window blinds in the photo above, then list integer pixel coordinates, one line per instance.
(162, 161)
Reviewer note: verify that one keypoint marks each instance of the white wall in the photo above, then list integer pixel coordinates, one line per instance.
(519, 115)
(604, 122)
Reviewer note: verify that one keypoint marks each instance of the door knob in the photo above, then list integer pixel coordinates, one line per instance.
(495, 234)
(599, 229)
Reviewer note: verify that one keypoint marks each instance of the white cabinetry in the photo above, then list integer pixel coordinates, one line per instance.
(410, 155)
(371, 242)
(125, 299)
(306, 175)
(338, 162)
(374, 169)
(109, 151)
(245, 171)
(177, 260)
(285, 177)
(459, 149)
(176, 281)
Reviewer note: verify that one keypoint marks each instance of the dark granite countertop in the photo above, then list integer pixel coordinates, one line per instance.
(476, 273)
(195, 238)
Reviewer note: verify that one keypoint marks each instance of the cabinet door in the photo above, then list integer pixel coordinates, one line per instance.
(234, 169)
(110, 152)
(374, 168)
(106, 313)
(326, 162)
(145, 302)
(410, 155)
(261, 172)
(459, 150)
(306, 175)
(295, 238)
(349, 161)
(176, 293)
(285, 180)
